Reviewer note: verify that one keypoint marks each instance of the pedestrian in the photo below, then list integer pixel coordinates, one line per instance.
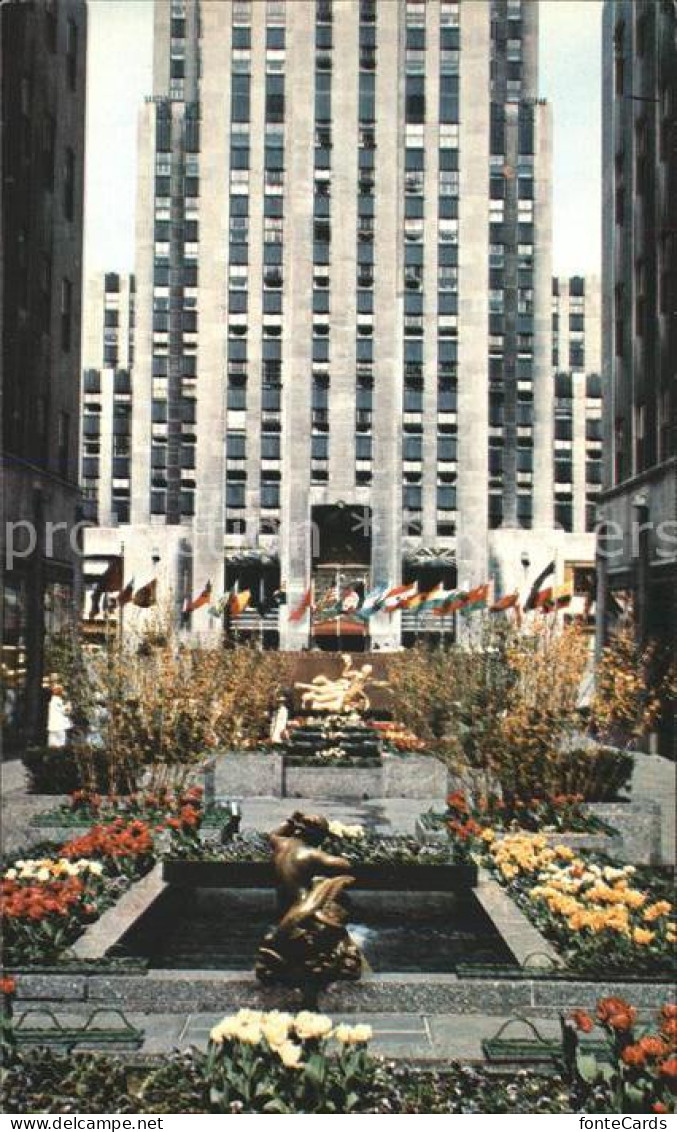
(59, 721)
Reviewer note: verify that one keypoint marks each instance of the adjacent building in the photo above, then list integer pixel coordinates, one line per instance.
(107, 359)
(343, 336)
(43, 141)
(577, 371)
(638, 553)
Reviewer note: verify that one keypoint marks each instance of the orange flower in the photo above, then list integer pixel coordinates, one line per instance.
(669, 1010)
(583, 1021)
(611, 1005)
(653, 1046)
(623, 1019)
(669, 1029)
(633, 1056)
(658, 1106)
(7, 985)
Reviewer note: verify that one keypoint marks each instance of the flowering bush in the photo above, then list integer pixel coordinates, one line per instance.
(126, 847)
(504, 711)
(594, 912)
(149, 707)
(562, 812)
(46, 902)
(398, 736)
(640, 1068)
(277, 1062)
(41, 918)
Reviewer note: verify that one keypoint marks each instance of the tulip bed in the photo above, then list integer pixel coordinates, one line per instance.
(604, 919)
(85, 807)
(48, 901)
(274, 1062)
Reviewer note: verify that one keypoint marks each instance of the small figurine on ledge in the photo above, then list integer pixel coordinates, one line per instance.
(279, 720)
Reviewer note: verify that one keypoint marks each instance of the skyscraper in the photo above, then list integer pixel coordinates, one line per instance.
(577, 369)
(43, 98)
(639, 280)
(343, 340)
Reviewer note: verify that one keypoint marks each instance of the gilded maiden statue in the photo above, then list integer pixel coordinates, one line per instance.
(310, 946)
(345, 694)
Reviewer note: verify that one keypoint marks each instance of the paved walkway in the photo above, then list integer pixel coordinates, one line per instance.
(655, 779)
(448, 1037)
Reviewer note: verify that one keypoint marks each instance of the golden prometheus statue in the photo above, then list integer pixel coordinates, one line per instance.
(345, 694)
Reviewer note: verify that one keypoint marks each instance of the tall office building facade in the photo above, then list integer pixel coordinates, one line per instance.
(107, 360)
(43, 49)
(577, 370)
(343, 334)
(639, 278)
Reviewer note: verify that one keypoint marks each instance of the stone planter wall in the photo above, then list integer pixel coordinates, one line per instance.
(240, 775)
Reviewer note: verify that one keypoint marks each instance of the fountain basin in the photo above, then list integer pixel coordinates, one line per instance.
(260, 874)
(220, 929)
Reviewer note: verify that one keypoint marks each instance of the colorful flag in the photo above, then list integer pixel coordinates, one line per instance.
(197, 602)
(530, 603)
(476, 599)
(147, 595)
(304, 605)
(398, 596)
(372, 603)
(125, 596)
(218, 608)
(454, 602)
(428, 600)
(238, 602)
(350, 600)
(109, 582)
(508, 601)
(554, 597)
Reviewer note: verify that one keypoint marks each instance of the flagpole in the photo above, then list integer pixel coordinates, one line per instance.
(121, 605)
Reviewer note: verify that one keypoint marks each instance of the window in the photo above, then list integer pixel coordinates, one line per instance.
(270, 446)
(446, 497)
(449, 98)
(237, 396)
(446, 448)
(66, 314)
(63, 442)
(69, 184)
(235, 495)
(240, 108)
(270, 494)
(412, 447)
(411, 497)
(362, 447)
(415, 98)
(319, 447)
(274, 98)
(71, 53)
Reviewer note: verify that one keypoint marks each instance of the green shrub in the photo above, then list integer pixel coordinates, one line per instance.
(59, 770)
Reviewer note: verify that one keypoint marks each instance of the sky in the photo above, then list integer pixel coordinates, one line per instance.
(119, 69)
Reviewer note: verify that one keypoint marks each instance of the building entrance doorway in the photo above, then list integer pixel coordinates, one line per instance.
(341, 574)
